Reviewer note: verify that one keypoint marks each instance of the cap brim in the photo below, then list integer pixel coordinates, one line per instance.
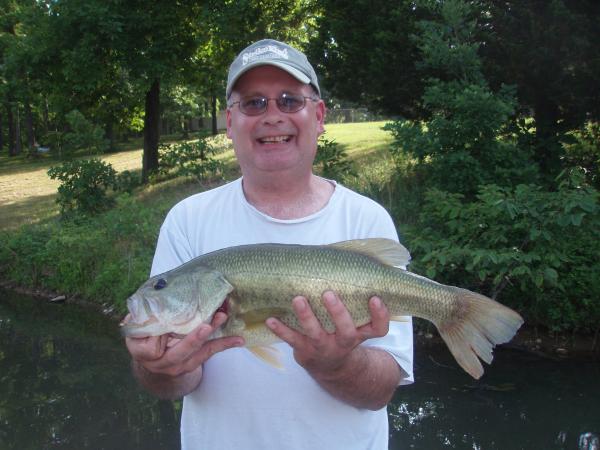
(289, 69)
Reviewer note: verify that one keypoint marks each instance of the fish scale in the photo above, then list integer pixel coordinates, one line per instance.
(260, 281)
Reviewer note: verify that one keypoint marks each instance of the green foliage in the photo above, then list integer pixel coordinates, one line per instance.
(83, 135)
(465, 142)
(193, 159)
(127, 181)
(584, 151)
(103, 259)
(534, 248)
(84, 185)
(333, 160)
(363, 53)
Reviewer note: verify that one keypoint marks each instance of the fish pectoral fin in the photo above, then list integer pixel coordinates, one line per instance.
(400, 318)
(386, 251)
(268, 354)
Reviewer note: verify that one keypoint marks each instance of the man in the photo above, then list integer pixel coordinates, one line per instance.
(333, 389)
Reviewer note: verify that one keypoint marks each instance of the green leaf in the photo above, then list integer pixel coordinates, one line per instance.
(551, 275)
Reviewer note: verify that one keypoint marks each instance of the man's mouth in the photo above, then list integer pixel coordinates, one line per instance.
(275, 139)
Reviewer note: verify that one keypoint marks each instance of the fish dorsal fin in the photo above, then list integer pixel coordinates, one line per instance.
(269, 354)
(386, 251)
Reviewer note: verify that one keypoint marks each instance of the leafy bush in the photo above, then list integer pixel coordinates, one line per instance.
(188, 159)
(465, 142)
(584, 151)
(536, 249)
(127, 181)
(84, 185)
(333, 160)
(102, 259)
(83, 135)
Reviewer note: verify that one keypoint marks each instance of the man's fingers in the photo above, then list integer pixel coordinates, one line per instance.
(147, 349)
(311, 326)
(380, 320)
(210, 348)
(284, 332)
(345, 329)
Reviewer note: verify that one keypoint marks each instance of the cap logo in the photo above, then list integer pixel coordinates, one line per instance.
(264, 52)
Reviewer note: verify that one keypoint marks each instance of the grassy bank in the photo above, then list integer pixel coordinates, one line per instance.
(104, 258)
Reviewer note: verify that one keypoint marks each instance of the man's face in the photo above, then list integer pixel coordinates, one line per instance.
(274, 141)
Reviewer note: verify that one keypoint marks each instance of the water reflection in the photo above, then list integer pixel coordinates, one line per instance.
(64, 384)
(522, 402)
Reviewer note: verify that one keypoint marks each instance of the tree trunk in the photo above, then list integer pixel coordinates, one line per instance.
(1, 132)
(46, 114)
(18, 145)
(109, 131)
(151, 131)
(29, 127)
(548, 150)
(11, 130)
(213, 100)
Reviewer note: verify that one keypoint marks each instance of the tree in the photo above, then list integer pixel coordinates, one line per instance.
(364, 53)
(549, 50)
(158, 41)
(228, 27)
(465, 141)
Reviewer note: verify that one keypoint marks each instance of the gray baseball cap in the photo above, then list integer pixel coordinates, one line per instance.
(269, 52)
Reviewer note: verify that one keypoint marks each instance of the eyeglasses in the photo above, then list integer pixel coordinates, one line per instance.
(286, 103)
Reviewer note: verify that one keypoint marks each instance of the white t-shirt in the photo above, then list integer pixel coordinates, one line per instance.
(243, 403)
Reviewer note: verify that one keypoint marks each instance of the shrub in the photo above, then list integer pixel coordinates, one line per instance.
(127, 181)
(535, 248)
(188, 159)
(102, 258)
(83, 135)
(333, 160)
(584, 151)
(84, 185)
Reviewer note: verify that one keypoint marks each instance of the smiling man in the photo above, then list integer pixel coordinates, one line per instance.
(333, 390)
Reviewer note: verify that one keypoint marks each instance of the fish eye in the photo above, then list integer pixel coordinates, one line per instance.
(160, 283)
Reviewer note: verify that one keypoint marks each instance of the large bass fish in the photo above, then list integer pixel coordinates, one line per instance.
(254, 282)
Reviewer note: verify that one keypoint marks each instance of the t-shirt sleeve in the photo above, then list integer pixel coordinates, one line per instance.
(398, 343)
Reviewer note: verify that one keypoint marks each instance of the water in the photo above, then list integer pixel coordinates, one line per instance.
(65, 384)
(522, 402)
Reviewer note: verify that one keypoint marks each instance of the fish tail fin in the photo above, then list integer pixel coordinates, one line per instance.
(479, 324)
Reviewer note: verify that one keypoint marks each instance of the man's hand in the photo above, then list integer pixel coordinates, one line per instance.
(171, 367)
(365, 377)
(319, 351)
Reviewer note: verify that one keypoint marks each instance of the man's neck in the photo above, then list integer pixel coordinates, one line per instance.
(286, 198)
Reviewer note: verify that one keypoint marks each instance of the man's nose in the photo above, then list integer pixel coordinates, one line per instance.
(272, 113)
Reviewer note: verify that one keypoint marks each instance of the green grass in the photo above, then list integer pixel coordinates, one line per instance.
(27, 194)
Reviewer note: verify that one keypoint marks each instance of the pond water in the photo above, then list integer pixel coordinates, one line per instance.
(65, 384)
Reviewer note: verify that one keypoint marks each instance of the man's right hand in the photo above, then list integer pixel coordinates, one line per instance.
(171, 367)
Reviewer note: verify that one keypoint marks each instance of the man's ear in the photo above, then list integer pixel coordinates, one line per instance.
(228, 122)
(321, 112)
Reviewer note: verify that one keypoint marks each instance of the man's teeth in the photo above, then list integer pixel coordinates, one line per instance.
(275, 139)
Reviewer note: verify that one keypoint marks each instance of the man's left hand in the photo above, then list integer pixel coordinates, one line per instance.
(321, 352)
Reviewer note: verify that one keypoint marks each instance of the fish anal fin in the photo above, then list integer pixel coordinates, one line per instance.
(268, 354)
(386, 251)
